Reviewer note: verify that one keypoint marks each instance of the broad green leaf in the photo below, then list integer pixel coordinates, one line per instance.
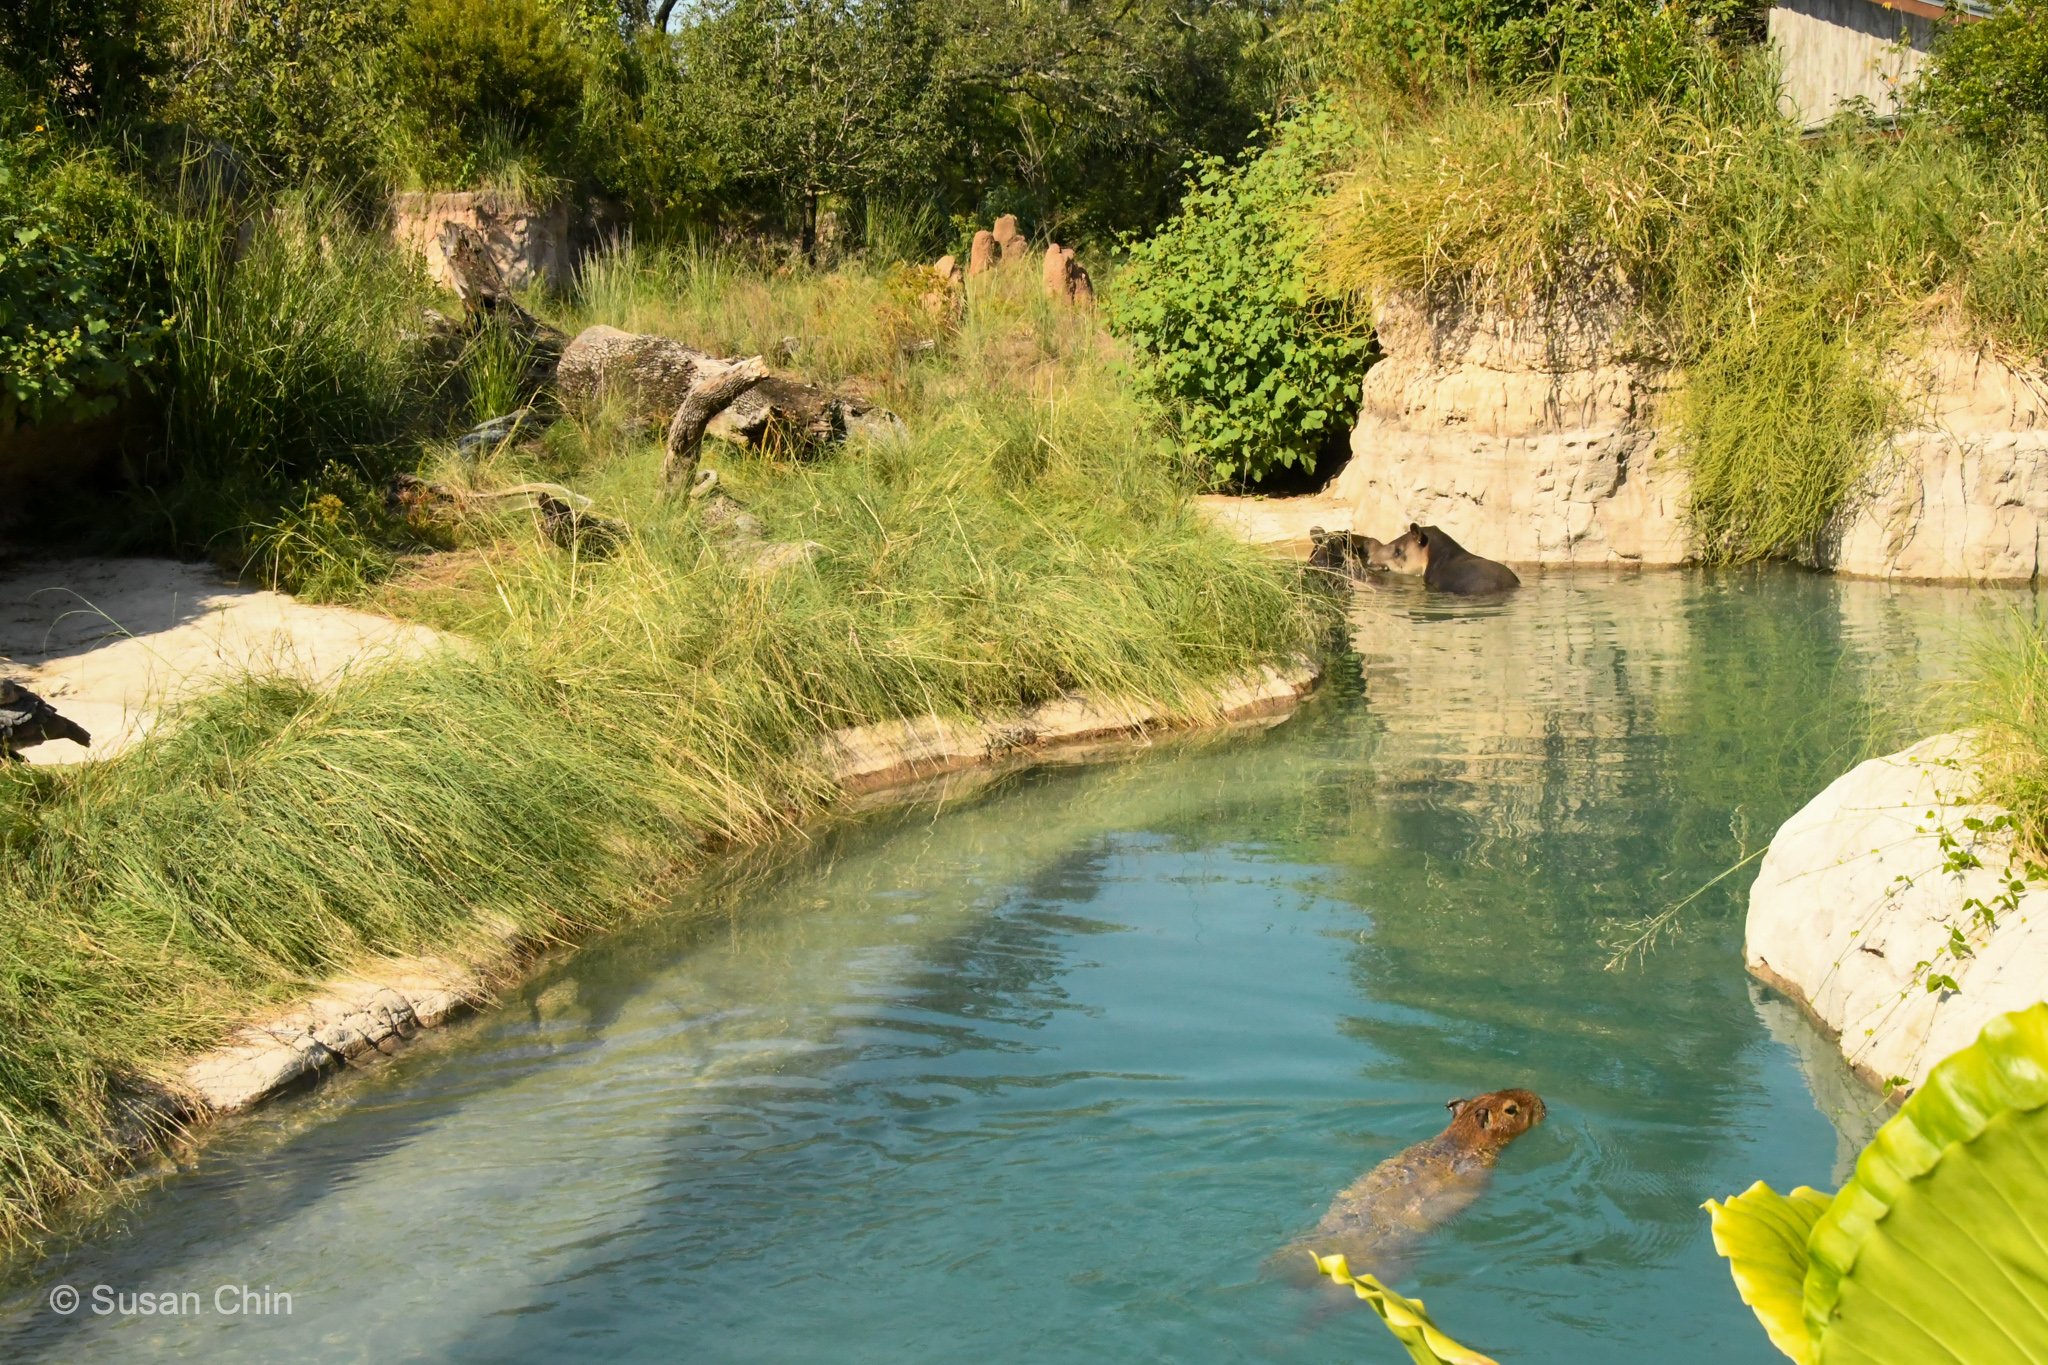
(1763, 1234)
(1405, 1317)
(1937, 1249)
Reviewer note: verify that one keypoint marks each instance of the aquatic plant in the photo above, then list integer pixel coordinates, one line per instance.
(1406, 1318)
(1937, 1248)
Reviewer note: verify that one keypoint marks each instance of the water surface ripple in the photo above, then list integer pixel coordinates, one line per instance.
(1048, 1071)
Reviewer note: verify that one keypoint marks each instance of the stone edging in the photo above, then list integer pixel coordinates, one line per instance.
(376, 1008)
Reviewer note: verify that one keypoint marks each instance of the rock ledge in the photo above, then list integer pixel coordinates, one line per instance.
(1852, 912)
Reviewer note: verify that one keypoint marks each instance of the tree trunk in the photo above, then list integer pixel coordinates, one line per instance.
(708, 397)
(809, 232)
(486, 297)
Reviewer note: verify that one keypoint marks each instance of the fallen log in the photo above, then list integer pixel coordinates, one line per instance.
(713, 392)
(651, 376)
(486, 298)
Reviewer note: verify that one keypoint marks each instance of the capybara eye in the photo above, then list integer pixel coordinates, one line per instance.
(1513, 1110)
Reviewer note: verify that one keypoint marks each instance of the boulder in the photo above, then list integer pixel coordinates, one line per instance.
(982, 254)
(1010, 242)
(1861, 900)
(652, 375)
(1065, 281)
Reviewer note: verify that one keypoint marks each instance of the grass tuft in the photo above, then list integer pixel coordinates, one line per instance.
(602, 722)
(1771, 269)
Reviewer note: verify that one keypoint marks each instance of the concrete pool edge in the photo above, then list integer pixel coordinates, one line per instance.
(373, 1009)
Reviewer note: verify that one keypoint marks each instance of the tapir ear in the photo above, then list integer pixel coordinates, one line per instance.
(1315, 533)
(1414, 526)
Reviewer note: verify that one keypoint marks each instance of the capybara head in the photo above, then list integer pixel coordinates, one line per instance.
(1409, 554)
(1496, 1119)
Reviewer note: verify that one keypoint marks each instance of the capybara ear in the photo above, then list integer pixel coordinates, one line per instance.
(1485, 1116)
(1457, 1107)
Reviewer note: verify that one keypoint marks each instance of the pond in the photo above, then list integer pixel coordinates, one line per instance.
(1047, 1069)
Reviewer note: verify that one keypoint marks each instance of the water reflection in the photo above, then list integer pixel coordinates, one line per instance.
(1047, 1072)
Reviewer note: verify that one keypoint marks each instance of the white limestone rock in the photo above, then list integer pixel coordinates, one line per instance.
(1853, 906)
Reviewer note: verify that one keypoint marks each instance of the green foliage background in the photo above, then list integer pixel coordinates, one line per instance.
(1991, 79)
(77, 327)
(1256, 371)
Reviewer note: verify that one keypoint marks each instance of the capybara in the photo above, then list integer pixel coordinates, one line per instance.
(1443, 563)
(1418, 1188)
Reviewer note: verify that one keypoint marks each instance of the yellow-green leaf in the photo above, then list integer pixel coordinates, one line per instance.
(1937, 1250)
(1404, 1317)
(1763, 1234)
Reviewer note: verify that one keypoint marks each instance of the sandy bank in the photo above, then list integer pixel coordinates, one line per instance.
(111, 642)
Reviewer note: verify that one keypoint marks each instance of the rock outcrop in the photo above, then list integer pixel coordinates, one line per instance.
(1532, 438)
(982, 254)
(1064, 279)
(1872, 892)
(1010, 241)
(1537, 438)
(1963, 491)
(528, 243)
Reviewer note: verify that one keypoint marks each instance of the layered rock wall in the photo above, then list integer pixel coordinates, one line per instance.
(1538, 440)
(529, 243)
(1963, 491)
(1529, 439)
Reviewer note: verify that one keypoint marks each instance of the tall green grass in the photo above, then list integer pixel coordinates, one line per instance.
(2004, 698)
(1773, 269)
(605, 722)
(295, 350)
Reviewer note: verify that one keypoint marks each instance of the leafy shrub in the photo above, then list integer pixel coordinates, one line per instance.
(1255, 370)
(76, 326)
(1643, 47)
(81, 58)
(300, 89)
(491, 83)
(1991, 78)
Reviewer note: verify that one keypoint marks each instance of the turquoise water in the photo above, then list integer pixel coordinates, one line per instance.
(1046, 1070)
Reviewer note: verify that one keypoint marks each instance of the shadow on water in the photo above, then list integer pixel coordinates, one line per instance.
(1048, 1071)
